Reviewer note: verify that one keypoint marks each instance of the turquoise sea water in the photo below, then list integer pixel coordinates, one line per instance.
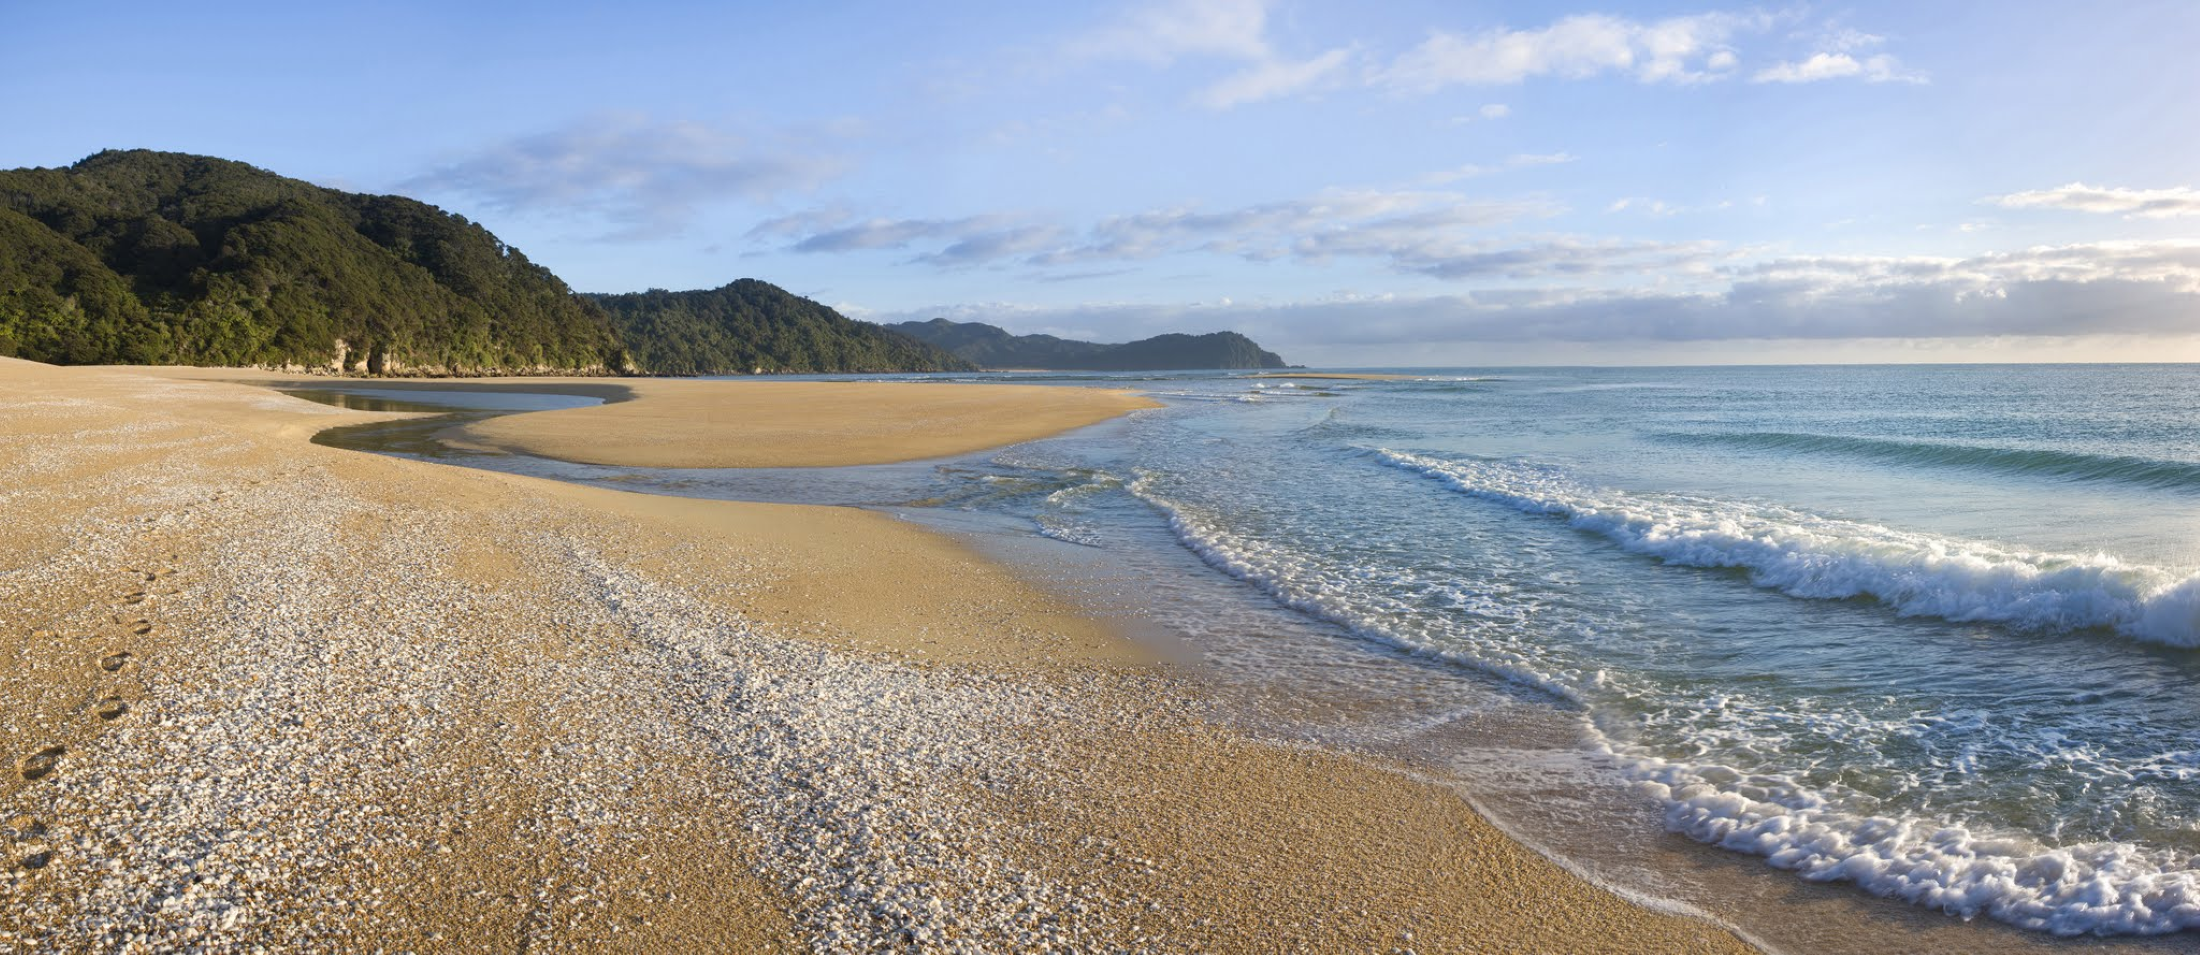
(1929, 630)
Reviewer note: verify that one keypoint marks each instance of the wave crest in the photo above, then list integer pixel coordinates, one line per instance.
(1807, 556)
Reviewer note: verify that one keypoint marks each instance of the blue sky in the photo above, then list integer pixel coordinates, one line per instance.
(1415, 183)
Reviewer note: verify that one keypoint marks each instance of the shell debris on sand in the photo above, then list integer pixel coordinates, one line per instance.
(327, 717)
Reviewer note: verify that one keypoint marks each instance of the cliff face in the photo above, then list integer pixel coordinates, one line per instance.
(992, 347)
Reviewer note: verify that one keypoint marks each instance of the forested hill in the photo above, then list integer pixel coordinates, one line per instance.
(143, 257)
(756, 327)
(153, 258)
(993, 347)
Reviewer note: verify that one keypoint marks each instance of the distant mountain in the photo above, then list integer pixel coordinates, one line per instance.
(144, 257)
(150, 257)
(756, 327)
(993, 347)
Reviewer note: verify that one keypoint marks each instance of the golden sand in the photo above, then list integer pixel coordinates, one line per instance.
(756, 424)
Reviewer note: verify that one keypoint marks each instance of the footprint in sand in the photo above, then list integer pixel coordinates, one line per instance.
(135, 598)
(112, 708)
(29, 835)
(141, 627)
(115, 661)
(40, 764)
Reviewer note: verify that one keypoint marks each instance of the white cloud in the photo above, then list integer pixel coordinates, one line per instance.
(2079, 197)
(1678, 49)
(1821, 66)
(1845, 40)
(1879, 68)
(1488, 111)
(645, 176)
(1653, 207)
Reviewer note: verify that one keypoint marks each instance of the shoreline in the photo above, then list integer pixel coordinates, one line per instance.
(718, 669)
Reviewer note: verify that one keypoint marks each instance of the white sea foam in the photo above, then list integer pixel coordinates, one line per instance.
(2101, 888)
(1291, 579)
(1804, 555)
(1063, 518)
(2098, 888)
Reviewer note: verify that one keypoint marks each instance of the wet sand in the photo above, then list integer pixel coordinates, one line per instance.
(260, 692)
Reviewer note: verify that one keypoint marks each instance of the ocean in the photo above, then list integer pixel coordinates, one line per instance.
(1924, 631)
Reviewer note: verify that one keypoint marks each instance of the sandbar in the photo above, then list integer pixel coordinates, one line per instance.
(759, 424)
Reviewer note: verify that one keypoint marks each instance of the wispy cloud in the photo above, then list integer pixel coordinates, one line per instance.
(1161, 33)
(642, 176)
(1420, 231)
(1234, 31)
(1477, 170)
(1840, 55)
(1881, 68)
(996, 244)
(1275, 78)
(956, 242)
(1659, 208)
(1679, 50)
(1675, 50)
(2079, 197)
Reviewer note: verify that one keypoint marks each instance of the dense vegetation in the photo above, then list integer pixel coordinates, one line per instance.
(148, 257)
(756, 327)
(141, 257)
(993, 347)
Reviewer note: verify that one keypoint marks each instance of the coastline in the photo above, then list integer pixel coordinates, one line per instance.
(456, 706)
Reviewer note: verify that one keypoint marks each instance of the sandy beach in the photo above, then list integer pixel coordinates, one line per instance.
(263, 693)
